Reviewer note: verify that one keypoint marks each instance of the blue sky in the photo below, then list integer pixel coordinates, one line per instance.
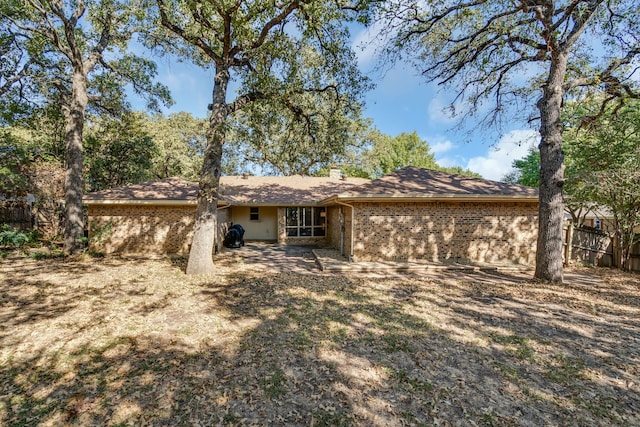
(401, 102)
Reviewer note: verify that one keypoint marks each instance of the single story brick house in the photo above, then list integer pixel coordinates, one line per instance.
(411, 214)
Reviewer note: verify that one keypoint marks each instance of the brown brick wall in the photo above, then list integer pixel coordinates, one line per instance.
(485, 232)
(134, 229)
(141, 229)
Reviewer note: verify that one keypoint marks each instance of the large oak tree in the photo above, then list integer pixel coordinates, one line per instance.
(180, 141)
(485, 49)
(81, 56)
(276, 54)
(295, 141)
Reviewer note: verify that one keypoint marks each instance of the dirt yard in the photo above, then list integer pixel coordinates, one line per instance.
(120, 342)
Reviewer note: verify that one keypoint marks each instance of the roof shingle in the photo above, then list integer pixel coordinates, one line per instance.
(236, 190)
(413, 181)
(164, 189)
(283, 190)
(409, 182)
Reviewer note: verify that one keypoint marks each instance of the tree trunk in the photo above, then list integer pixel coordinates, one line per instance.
(569, 251)
(616, 251)
(551, 211)
(626, 245)
(74, 182)
(206, 222)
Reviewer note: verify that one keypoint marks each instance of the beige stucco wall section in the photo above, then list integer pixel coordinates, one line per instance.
(339, 228)
(146, 229)
(266, 228)
(437, 231)
(334, 226)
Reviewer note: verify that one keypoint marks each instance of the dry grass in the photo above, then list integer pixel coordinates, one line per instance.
(118, 342)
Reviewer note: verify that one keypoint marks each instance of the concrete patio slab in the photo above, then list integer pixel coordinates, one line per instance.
(331, 260)
(316, 260)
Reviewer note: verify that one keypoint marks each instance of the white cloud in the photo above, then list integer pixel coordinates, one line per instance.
(635, 75)
(497, 162)
(448, 162)
(442, 147)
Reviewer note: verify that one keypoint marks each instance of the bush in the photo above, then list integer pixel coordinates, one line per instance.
(13, 238)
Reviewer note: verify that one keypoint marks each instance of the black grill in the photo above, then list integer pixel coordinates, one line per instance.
(234, 237)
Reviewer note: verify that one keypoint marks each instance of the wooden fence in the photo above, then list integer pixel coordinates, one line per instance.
(595, 247)
(46, 218)
(18, 216)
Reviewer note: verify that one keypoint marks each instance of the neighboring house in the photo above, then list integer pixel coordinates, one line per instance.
(411, 214)
(600, 218)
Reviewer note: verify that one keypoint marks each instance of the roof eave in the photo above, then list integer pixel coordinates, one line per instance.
(269, 204)
(429, 198)
(192, 202)
(140, 202)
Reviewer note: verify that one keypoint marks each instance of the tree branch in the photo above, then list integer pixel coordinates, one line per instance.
(273, 22)
(48, 31)
(244, 100)
(98, 50)
(180, 32)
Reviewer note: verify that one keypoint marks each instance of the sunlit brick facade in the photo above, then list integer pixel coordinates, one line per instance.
(409, 215)
(441, 231)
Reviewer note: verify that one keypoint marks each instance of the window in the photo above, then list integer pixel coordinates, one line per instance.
(306, 222)
(254, 214)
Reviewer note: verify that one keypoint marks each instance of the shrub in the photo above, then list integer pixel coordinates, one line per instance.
(13, 238)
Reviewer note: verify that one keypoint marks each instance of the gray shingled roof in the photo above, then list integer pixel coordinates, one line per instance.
(283, 190)
(409, 182)
(236, 190)
(164, 189)
(416, 182)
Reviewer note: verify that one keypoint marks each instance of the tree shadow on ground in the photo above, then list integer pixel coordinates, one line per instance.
(342, 350)
(27, 295)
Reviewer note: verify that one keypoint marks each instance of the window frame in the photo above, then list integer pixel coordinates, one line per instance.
(300, 221)
(254, 213)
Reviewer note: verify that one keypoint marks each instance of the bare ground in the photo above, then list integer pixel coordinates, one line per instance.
(119, 342)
